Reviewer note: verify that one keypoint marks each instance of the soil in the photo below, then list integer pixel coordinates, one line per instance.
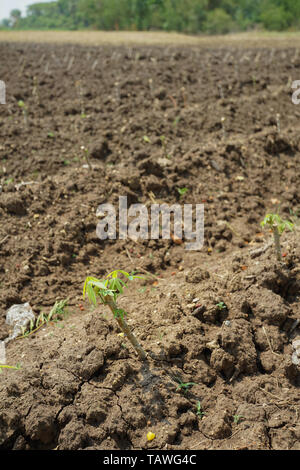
(222, 318)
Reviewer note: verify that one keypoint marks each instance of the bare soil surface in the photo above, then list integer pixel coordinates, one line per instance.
(222, 319)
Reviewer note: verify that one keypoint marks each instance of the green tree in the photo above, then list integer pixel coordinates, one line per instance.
(15, 16)
(275, 17)
(6, 23)
(189, 16)
(218, 22)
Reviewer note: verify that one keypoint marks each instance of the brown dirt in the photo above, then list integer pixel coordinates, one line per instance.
(80, 385)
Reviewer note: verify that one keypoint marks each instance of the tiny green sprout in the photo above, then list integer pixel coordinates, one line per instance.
(57, 312)
(221, 306)
(4, 366)
(8, 181)
(176, 121)
(146, 139)
(199, 411)
(278, 226)
(295, 217)
(237, 418)
(87, 156)
(50, 134)
(23, 106)
(163, 142)
(184, 386)
(107, 291)
(182, 191)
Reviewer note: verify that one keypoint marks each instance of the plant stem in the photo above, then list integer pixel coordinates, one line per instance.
(9, 367)
(277, 243)
(125, 328)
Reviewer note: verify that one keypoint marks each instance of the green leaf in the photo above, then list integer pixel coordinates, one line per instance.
(120, 313)
(91, 294)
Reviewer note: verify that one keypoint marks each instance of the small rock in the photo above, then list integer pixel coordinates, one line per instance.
(296, 352)
(19, 317)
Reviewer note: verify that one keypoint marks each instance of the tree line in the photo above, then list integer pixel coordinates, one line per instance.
(186, 16)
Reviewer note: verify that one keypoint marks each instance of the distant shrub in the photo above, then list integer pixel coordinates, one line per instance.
(275, 18)
(218, 22)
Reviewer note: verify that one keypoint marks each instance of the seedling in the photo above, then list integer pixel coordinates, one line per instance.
(278, 122)
(87, 156)
(221, 306)
(164, 146)
(107, 291)
(16, 367)
(278, 226)
(146, 139)
(199, 412)
(184, 386)
(295, 217)
(237, 418)
(56, 313)
(23, 106)
(8, 181)
(176, 121)
(35, 90)
(223, 119)
(182, 191)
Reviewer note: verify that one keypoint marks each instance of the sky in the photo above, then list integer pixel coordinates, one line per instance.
(7, 5)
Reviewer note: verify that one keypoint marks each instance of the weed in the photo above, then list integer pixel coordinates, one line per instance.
(199, 411)
(86, 156)
(278, 226)
(223, 119)
(3, 366)
(164, 146)
(9, 180)
(142, 290)
(107, 291)
(237, 418)
(57, 312)
(23, 106)
(295, 217)
(176, 121)
(221, 306)
(278, 122)
(184, 385)
(182, 191)
(146, 139)
(35, 90)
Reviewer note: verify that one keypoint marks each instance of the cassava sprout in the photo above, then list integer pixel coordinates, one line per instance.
(107, 291)
(278, 226)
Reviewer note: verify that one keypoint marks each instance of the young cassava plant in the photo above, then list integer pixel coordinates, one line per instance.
(278, 226)
(106, 291)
